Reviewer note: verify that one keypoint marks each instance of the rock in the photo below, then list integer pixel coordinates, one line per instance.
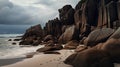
(51, 52)
(29, 56)
(49, 38)
(33, 36)
(44, 49)
(116, 35)
(13, 43)
(66, 15)
(80, 48)
(92, 14)
(53, 27)
(90, 58)
(112, 12)
(10, 40)
(71, 45)
(112, 46)
(70, 59)
(98, 36)
(50, 47)
(69, 34)
(57, 47)
(17, 39)
(118, 6)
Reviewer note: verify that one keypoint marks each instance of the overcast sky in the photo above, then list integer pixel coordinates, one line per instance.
(17, 15)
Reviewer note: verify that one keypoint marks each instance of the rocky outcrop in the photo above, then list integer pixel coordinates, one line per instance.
(33, 36)
(53, 27)
(69, 34)
(66, 15)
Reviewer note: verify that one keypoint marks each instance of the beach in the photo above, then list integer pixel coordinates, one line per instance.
(45, 60)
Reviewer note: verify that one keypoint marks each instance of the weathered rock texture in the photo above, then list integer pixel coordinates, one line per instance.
(33, 36)
(75, 24)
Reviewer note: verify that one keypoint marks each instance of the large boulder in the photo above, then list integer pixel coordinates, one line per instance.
(90, 58)
(33, 36)
(53, 27)
(66, 15)
(98, 36)
(112, 46)
(71, 45)
(69, 34)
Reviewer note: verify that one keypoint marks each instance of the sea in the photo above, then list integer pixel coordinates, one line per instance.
(8, 50)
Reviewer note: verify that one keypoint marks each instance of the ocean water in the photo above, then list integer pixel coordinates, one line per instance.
(7, 50)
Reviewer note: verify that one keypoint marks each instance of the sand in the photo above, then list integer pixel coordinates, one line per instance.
(45, 60)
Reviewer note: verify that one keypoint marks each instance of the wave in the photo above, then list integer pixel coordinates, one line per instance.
(9, 35)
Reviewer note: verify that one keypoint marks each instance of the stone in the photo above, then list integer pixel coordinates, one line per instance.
(90, 58)
(66, 15)
(98, 36)
(112, 46)
(69, 34)
(14, 43)
(71, 45)
(48, 37)
(116, 34)
(50, 47)
(17, 39)
(10, 40)
(80, 48)
(53, 27)
(32, 36)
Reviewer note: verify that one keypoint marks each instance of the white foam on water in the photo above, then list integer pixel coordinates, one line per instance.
(7, 50)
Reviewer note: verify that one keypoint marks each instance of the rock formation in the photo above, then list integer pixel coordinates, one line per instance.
(93, 23)
(32, 36)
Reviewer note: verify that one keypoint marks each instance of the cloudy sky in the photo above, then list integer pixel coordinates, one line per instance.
(17, 15)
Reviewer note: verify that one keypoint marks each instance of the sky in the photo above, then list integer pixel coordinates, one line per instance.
(18, 15)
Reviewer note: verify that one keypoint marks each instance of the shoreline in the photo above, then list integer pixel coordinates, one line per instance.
(44, 60)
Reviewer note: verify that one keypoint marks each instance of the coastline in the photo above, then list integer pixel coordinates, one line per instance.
(45, 60)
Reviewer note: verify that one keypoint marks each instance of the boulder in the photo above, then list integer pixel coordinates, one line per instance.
(112, 46)
(17, 39)
(90, 58)
(66, 15)
(50, 47)
(48, 38)
(71, 45)
(43, 49)
(70, 34)
(32, 36)
(116, 35)
(10, 40)
(53, 27)
(98, 36)
(14, 43)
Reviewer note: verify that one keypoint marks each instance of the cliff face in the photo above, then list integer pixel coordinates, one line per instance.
(87, 16)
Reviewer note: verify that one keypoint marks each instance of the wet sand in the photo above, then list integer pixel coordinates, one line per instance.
(45, 60)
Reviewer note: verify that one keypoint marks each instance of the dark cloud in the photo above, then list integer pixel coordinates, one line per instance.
(17, 16)
(11, 14)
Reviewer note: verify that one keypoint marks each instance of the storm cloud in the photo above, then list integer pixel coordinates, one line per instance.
(30, 12)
